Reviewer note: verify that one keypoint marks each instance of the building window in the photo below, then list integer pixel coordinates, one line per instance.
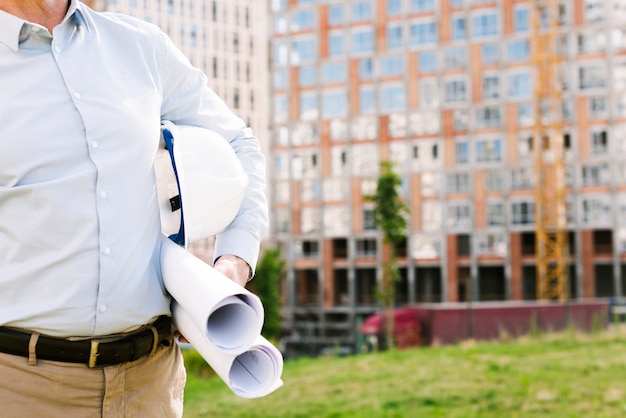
(521, 19)
(394, 7)
(599, 142)
(425, 123)
(334, 72)
(490, 54)
(459, 215)
(596, 210)
(308, 106)
(303, 49)
(367, 99)
(430, 184)
(458, 182)
(494, 180)
(460, 118)
(366, 69)
(361, 10)
(392, 98)
(394, 36)
(303, 20)
(525, 146)
(592, 76)
(523, 213)
(488, 117)
(596, 174)
(366, 247)
(594, 11)
(496, 215)
(421, 5)
(426, 246)
(369, 223)
(488, 150)
(310, 190)
(459, 28)
(336, 44)
(280, 108)
(336, 221)
(455, 91)
(423, 33)
(598, 108)
(522, 178)
(592, 41)
(520, 85)
(306, 249)
(619, 76)
(307, 76)
(280, 79)
(455, 58)
(283, 223)
(365, 160)
(334, 188)
(491, 87)
(428, 93)
(428, 61)
(280, 24)
(432, 218)
(518, 50)
(310, 220)
(461, 152)
(525, 114)
(335, 14)
(334, 104)
(392, 66)
(485, 24)
(362, 41)
(339, 161)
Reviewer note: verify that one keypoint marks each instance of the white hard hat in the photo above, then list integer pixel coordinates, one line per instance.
(200, 182)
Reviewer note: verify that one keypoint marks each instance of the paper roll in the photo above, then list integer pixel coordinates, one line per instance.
(230, 316)
(254, 373)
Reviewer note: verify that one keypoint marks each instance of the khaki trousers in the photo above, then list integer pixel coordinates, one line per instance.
(149, 387)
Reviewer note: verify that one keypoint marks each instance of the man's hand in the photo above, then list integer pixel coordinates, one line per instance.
(233, 267)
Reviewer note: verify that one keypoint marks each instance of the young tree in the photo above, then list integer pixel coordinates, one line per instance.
(269, 271)
(390, 217)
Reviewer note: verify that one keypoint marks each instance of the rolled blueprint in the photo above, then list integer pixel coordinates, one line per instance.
(229, 315)
(254, 373)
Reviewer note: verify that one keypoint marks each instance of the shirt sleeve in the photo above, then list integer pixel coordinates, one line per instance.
(188, 100)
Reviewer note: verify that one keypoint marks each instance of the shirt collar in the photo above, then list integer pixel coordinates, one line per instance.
(11, 26)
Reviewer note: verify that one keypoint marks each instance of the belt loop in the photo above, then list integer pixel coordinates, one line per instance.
(155, 339)
(32, 349)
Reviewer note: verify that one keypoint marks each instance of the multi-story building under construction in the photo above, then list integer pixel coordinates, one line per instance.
(447, 91)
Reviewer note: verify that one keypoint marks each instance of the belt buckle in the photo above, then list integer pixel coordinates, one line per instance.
(93, 354)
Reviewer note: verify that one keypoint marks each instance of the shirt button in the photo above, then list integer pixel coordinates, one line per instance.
(34, 29)
(104, 194)
(77, 95)
(95, 144)
(57, 49)
(107, 250)
(102, 308)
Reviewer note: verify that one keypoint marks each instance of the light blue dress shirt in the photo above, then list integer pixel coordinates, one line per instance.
(80, 116)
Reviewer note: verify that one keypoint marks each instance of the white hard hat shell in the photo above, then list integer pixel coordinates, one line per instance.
(207, 177)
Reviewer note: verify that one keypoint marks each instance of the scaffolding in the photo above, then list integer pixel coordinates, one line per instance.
(549, 154)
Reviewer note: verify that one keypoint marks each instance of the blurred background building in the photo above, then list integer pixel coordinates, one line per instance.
(445, 89)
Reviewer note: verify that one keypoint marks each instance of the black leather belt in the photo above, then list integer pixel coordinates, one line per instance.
(95, 352)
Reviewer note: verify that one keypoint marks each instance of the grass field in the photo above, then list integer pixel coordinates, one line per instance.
(569, 374)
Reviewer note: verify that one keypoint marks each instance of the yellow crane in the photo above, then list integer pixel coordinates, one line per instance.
(551, 236)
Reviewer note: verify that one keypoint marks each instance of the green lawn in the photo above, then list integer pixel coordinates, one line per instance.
(562, 375)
